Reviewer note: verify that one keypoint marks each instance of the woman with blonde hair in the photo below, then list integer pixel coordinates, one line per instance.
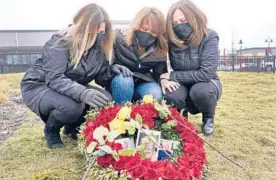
(143, 51)
(193, 54)
(56, 86)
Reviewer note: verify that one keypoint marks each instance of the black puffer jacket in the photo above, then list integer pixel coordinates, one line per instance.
(192, 65)
(55, 71)
(147, 67)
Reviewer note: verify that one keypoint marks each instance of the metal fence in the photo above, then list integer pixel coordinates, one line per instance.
(13, 63)
(256, 64)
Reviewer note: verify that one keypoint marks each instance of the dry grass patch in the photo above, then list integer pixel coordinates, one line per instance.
(8, 83)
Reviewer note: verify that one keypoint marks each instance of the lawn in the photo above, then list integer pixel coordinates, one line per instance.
(245, 131)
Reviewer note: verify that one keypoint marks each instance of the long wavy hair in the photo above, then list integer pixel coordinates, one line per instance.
(155, 19)
(195, 17)
(86, 24)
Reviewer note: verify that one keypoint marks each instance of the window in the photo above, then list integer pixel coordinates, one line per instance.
(17, 59)
(26, 59)
(8, 60)
(2, 61)
(33, 58)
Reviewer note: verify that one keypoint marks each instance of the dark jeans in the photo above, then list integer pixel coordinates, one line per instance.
(63, 108)
(198, 98)
(125, 89)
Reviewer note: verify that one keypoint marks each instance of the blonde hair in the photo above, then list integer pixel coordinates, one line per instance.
(195, 17)
(156, 19)
(85, 28)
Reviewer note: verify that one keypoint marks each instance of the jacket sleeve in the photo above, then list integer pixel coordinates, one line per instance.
(56, 57)
(105, 75)
(208, 64)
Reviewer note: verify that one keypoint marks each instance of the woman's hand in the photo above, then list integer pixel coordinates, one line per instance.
(165, 76)
(170, 85)
(119, 69)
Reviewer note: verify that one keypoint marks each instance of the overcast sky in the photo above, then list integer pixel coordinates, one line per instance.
(250, 20)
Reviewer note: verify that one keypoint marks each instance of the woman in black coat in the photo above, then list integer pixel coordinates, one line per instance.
(193, 53)
(143, 51)
(56, 87)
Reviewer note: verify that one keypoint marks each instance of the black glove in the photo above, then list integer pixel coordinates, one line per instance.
(119, 69)
(94, 98)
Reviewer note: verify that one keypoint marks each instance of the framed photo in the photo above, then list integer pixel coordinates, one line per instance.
(127, 143)
(175, 144)
(145, 137)
(163, 155)
(166, 144)
(169, 145)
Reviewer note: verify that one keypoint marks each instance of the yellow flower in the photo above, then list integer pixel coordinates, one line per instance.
(124, 113)
(148, 99)
(171, 123)
(118, 125)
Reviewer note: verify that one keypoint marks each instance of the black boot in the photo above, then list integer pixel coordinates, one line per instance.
(51, 131)
(72, 130)
(208, 123)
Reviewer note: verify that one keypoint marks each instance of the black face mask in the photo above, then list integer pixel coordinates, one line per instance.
(183, 31)
(145, 39)
(100, 38)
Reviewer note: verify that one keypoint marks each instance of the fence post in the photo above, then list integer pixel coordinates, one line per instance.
(233, 63)
(274, 64)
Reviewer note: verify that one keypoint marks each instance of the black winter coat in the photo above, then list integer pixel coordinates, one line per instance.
(192, 65)
(55, 71)
(147, 67)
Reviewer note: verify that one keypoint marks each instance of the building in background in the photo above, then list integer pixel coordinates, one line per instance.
(257, 51)
(19, 49)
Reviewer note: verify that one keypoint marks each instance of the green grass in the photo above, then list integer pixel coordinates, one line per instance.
(245, 131)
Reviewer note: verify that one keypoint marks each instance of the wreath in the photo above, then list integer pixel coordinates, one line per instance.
(143, 141)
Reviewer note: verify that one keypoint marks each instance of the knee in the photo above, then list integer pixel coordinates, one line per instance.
(200, 92)
(172, 97)
(178, 96)
(69, 113)
(156, 91)
(121, 81)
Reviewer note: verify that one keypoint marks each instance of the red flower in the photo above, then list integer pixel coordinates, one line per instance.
(139, 172)
(171, 165)
(146, 162)
(197, 170)
(169, 174)
(121, 163)
(151, 175)
(149, 122)
(188, 137)
(190, 148)
(114, 146)
(105, 161)
(133, 162)
(184, 161)
(147, 112)
(158, 166)
(174, 112)
(184, 173)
